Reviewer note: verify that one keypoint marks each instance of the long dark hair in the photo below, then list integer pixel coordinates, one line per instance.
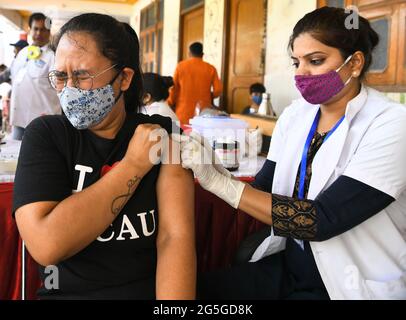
(328, 25)
(118, 42)
(157, 86)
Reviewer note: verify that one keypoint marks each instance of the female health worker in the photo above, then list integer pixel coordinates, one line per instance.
(333, 188)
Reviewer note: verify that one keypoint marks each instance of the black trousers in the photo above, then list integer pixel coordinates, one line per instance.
(268, 278)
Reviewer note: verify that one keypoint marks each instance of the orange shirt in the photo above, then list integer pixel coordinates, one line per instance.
(193, 80)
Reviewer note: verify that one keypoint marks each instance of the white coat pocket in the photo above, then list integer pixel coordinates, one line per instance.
(388, 290)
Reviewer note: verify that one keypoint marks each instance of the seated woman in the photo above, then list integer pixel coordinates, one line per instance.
(156, 91)
(88, 198)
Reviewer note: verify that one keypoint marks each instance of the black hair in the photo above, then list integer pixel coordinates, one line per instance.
(196, 49)
(118, 42)
(328, 25)
(157, 86)
(38, 16)
(257, 87)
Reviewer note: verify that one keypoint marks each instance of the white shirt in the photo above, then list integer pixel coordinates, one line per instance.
(368, 261)
(5, 89)
(160, 107)
(32, 95)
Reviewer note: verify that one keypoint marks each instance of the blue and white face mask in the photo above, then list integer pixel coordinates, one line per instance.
(86, 108)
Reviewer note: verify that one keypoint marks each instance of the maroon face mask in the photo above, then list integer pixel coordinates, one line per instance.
(318, 89)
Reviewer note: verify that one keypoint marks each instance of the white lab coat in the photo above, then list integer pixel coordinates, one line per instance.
(368, 261)
(32, 95)
(160, 107)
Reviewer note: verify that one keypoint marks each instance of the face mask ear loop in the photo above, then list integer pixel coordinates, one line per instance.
(345, 62)
(118, 97)
(111, 83)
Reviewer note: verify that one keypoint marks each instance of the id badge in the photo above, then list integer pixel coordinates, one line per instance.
(40, 63)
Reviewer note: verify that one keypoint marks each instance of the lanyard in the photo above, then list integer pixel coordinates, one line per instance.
(303, 164)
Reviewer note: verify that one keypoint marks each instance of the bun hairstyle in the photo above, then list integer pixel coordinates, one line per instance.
(118, 42)
(328, 25)
(157, 86)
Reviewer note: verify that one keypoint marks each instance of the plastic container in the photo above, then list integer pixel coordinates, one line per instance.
(221, 129)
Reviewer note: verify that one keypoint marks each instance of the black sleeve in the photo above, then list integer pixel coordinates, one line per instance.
(341, 207)
(165, 122)
(264, 178)
(42, 173)
(246, 110)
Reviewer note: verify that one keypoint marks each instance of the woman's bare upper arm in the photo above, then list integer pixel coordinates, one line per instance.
(28, 219)
(175, 191)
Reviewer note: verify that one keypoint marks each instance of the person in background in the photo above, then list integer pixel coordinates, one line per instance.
(32, 95)
(333, 189)
(5, 72)
(5, 92)
(18, 46)
(256, 91)
(193, 83)
(88, 197)
(5, 86)
(156, 91)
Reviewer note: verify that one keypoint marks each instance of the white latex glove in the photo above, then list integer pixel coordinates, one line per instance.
(198, 155)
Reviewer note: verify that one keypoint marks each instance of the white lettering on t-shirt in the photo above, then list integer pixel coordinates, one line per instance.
(127, 227)
(144, 223)
(99, 238)
(83, 170)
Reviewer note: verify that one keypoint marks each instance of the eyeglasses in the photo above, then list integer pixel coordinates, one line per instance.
(82, 80)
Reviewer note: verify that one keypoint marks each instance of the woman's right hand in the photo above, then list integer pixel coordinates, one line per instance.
(198, 156)
(145, 147)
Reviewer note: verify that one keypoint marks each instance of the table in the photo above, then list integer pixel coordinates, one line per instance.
(219, 230)
(12, 280)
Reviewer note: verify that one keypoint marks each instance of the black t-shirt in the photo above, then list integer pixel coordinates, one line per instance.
(54, 158)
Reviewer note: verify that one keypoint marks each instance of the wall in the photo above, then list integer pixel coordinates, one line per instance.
(10, 30)
(214, 32)
(170, 45)
(279, 73)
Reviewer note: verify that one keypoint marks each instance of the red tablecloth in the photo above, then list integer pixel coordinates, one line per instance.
(11, 255)
(219, 230)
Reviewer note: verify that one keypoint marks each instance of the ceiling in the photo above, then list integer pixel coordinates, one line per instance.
(63, 10)
(115, 1)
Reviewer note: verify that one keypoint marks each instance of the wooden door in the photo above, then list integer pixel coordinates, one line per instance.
(192, 30)
(246, 51)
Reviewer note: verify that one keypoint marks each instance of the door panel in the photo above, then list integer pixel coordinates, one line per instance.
(246, 51)
(192, 30)
(385, 21)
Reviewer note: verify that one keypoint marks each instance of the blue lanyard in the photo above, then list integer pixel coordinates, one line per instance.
(303, 164)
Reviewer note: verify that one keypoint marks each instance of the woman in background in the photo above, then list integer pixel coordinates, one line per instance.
(156, 91)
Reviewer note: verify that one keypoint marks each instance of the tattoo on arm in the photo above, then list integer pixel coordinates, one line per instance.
(119, 202)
